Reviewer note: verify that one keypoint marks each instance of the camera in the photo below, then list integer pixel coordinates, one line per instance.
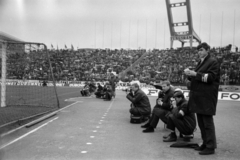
(160, 94)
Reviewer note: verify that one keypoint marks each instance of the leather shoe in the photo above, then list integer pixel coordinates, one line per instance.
(149, 129)
(166, 136)
(200, 148)
(207, 151)
(145, 125)
(171, 138)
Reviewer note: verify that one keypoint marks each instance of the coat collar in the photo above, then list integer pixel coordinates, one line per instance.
(201, 63)
(181, 102)
(137, 91)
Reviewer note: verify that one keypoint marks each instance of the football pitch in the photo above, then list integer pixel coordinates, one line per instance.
(90, 128)
(27, 101)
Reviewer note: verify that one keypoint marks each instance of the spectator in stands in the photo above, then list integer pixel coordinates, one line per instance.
(44, 83)
(161, 109)
(203, 96)
(180, 118)
(140, 103)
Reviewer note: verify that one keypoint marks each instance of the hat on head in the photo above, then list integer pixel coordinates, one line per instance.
(177, 94)
(178, 90)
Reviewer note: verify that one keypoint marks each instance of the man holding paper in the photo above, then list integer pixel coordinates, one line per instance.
(203, 83)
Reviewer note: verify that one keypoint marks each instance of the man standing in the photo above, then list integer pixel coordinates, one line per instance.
(203, 84)
(140, 103)
(112, 82)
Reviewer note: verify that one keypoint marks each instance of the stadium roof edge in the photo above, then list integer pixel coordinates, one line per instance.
(7, 37)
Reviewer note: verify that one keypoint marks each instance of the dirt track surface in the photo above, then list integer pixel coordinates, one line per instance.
(95, 129)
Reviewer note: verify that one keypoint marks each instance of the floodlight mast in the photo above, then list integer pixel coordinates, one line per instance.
(183, 36)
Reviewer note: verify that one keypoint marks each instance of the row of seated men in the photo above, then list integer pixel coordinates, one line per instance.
(88, 89)
(171, 108)
(105, 92)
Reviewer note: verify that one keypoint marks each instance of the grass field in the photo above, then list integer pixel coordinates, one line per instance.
(27, 101)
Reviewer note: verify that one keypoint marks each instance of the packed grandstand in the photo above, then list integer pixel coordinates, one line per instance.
(73, 66)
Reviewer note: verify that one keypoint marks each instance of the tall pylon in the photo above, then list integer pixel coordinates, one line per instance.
(184, 36)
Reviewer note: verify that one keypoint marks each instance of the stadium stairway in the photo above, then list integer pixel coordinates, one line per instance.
(123, 73)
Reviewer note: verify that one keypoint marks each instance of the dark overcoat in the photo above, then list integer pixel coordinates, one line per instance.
(158, 109)
(141, 101)
(188, 124)
(204, 86)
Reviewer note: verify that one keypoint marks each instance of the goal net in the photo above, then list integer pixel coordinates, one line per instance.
(27, 83)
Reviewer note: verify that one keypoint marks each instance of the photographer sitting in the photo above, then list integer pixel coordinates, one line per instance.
(92, 86)
(140, 103)
(99, 92)
(161, 109)
(85, 90)
(180, 118)
(108, 92)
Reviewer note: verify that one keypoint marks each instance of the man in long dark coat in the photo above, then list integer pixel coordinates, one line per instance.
(203, 96)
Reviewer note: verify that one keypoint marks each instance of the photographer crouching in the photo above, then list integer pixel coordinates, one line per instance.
(140, 103)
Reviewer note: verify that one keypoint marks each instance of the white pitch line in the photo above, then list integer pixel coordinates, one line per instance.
(25, 135)
(7, 133)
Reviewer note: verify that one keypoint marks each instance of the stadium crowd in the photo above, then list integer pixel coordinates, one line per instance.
(160, 65)
(87, 64)
(69, 65)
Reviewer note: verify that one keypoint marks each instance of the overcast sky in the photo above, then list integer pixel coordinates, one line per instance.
(117, 23)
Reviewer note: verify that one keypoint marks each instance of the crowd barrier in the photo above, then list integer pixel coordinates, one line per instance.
(231, 96)
(225, 92)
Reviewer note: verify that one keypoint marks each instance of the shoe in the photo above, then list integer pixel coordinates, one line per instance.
(171, 138)
(166, 136)
(187, 138)
(201, 148)
(148, 130)
(207, 151)
(145, 125)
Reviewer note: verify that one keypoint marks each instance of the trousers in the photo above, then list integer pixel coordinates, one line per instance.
(207, 128)
(135, 111)
(158, 113)
(180, 124)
